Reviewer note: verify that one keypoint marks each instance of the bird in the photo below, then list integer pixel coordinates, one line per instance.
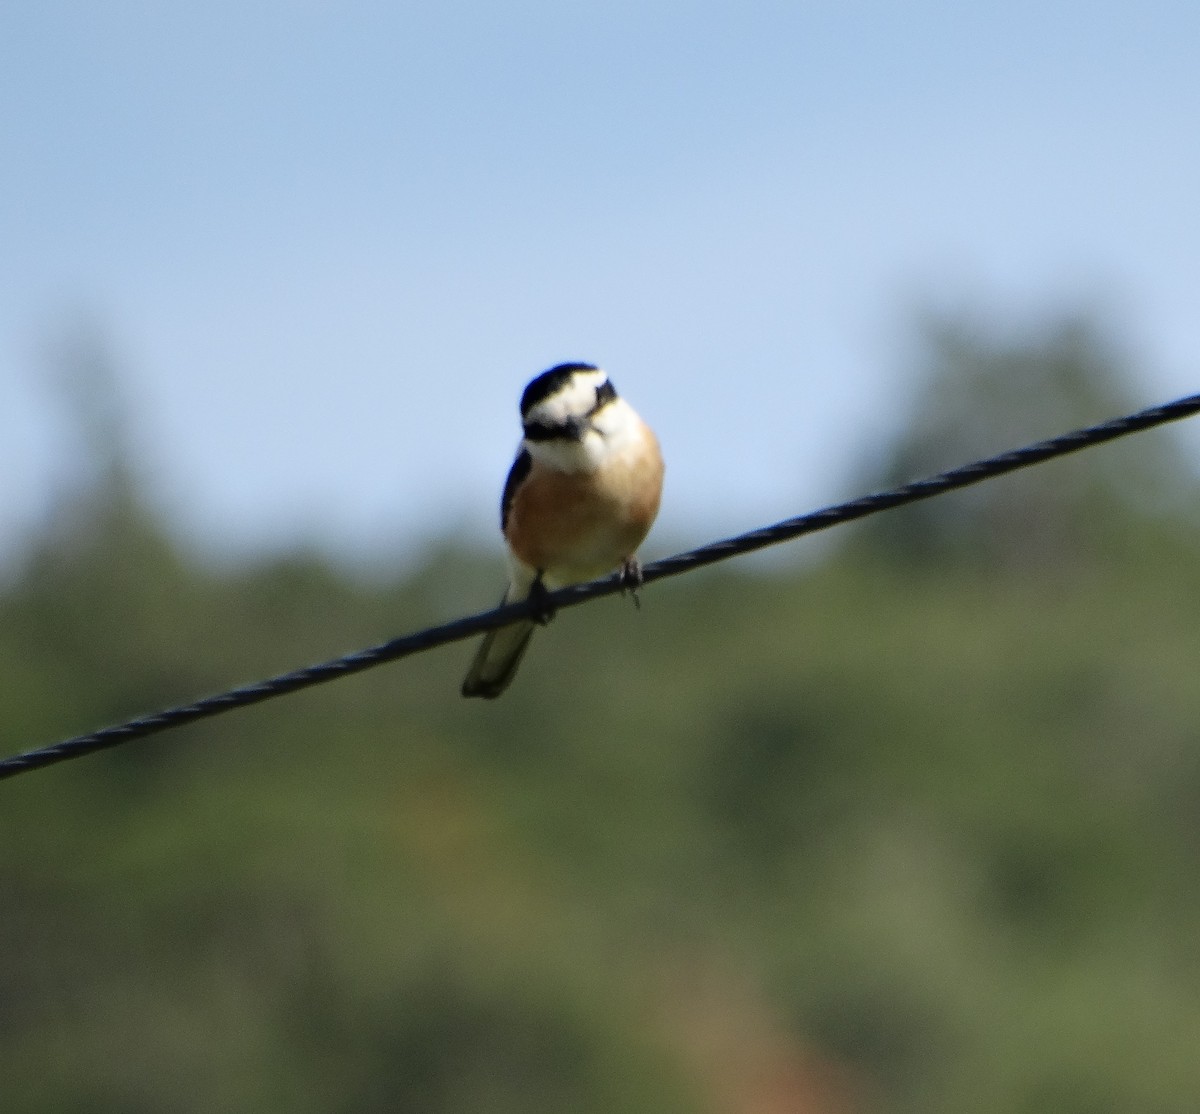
(580, 498)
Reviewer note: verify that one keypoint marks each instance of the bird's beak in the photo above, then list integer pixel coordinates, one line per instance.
(577, 427)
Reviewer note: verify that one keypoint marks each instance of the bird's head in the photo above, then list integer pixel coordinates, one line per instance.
(560, 404)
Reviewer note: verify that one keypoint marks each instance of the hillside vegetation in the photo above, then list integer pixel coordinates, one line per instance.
(913, 828)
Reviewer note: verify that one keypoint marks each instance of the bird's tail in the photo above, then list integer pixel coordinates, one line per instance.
(495, 663)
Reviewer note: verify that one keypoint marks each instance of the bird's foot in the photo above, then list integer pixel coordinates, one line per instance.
(631, 579)
(539, 596)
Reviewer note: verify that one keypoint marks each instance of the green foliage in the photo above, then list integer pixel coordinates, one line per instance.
(941, 837)
(840, 839)
(983, 390)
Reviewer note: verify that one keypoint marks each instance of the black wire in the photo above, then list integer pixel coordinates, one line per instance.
(459, 629)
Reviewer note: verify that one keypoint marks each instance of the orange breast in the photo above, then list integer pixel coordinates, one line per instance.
(581, 525)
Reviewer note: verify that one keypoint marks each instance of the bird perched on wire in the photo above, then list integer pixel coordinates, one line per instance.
(579, 499)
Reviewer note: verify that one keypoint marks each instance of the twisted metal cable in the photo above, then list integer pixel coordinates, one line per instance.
(458, 629)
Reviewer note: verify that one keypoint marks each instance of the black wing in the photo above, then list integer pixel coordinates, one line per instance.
(518, 471)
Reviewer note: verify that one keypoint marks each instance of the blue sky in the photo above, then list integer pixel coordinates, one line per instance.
(331, 241)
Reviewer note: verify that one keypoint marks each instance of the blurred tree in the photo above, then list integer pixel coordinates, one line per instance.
(101, 480)
(101, 584)
(983, 389)
(792, 840)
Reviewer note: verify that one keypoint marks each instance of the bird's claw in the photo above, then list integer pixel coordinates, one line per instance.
(631, 579)
(539, 597)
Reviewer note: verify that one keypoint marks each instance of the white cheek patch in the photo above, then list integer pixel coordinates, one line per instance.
(617, 423)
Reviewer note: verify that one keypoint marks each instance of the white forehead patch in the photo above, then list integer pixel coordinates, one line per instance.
(573, 399)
